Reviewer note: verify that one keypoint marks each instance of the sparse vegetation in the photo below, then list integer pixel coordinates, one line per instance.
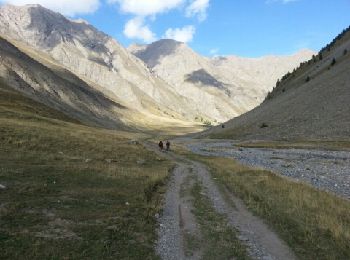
(221, 239)
(73, 192)
(307, 79)
(207, 123)
(314, 223)
(328, 47)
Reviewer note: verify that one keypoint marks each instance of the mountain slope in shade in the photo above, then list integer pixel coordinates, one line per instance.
(223, 87)
(310, 103)
(68, 94)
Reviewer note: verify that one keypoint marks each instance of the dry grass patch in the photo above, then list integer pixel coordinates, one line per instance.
(72, 191)
(314, 223)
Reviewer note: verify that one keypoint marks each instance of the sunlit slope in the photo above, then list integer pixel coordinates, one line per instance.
(310, 103)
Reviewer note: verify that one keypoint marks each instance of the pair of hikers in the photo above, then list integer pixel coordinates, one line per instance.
(161, 145)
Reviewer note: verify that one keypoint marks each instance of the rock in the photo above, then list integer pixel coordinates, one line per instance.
(2, 187)
(141, 162)
(108, 160)
(127, 203)
(243, 238)
(134, 142)
(87, 160)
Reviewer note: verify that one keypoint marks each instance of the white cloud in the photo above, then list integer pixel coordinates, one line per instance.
(198, 8)
(66, 7)
(136, 29)
(280, 1)
(184, 34)
(146, 7)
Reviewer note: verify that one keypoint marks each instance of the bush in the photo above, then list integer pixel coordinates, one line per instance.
(264, 125)
(320, 56)
(207, 123)
(333, 62)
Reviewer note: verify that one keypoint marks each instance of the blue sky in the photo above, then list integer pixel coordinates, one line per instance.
(249, 28)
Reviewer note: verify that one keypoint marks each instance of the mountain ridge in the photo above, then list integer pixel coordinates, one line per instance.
(230, 82)
(182, 89)
(311, 103)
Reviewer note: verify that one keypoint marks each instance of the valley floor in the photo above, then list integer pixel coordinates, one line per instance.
(200, 221)
(69, 191)
(325, 169)
(217, 208)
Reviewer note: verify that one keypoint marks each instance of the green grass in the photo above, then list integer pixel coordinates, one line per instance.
(73, 191)
(220, 238)
(314, 223)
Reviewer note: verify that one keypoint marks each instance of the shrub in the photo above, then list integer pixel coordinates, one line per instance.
(333, 62)
(207, 123)
(320, 56)
(264, 125)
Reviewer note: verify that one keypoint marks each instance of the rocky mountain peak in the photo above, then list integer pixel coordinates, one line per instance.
(151, 54)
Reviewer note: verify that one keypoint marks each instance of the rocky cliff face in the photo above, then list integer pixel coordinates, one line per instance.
(235, 85)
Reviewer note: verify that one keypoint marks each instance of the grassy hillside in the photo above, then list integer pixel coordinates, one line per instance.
(310, 103)
(72, 191)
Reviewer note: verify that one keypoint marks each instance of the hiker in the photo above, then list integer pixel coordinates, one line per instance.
(161, 146)
(167, 145)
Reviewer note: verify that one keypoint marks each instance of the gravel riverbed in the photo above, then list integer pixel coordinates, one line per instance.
(327, 170)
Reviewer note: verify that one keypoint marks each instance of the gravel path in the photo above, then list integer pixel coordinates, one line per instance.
(327, 170)
(262, 243)
(170, 240)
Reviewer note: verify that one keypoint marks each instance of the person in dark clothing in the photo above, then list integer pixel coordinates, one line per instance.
(167, 145)
(161, 146)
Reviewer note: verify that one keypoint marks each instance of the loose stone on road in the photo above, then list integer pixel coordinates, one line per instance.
(177, 219)
(327, 170)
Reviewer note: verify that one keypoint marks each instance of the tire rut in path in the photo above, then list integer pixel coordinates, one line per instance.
(261, 241)
(177, 222)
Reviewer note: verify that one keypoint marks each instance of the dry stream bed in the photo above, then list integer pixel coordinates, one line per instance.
(327, 170)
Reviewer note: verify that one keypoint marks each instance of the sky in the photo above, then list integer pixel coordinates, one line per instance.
(248, 28)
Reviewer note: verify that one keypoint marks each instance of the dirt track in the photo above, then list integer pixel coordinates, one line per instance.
(177, 219)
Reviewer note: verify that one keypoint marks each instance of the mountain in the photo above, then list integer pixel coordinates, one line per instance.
(223, 87)
(311, 103)
(98, 60)
(165, 84)
(58, 89)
